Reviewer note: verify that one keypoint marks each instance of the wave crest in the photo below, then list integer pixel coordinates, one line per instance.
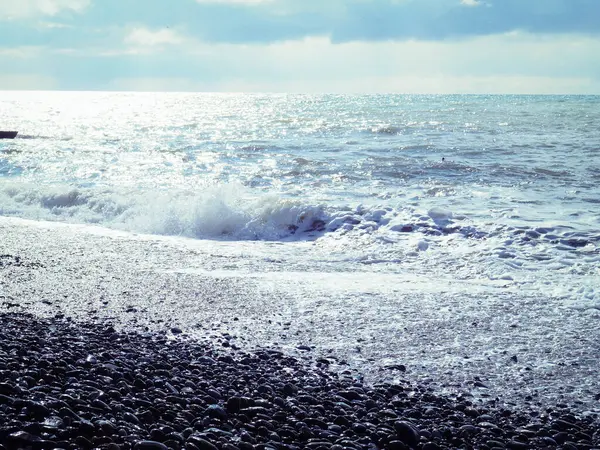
(223, 211)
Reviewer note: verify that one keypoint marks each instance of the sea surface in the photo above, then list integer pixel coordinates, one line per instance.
(469, 186)
(336, 200)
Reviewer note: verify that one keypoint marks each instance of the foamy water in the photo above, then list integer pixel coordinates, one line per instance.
(472, 187)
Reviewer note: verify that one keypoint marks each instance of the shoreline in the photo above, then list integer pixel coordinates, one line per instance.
(534, 352)
(86, 385)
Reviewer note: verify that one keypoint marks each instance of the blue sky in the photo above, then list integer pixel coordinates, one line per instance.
(413, 46)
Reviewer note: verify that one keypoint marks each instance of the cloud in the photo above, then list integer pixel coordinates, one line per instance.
(144, 37)
(511, 63)
(381, 20)
(508, 63)
(19, 9)
(264, 21)
(445, 20)
(312, 46)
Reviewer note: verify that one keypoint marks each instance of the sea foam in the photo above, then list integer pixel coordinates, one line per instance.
(224, 211)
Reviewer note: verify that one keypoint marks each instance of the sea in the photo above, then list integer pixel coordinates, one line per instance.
(351, 205)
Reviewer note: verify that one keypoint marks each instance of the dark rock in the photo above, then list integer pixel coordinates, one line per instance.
(234, 404)
(111, 446)
(228, 446)
(8, 389)
(132, 418)
(6, 400)
(289, 389)
(350, 395)
(342, 421)
(468, 430)
(216, 412)
(149, 445)
(85, 427)
(407, 433)
(563, 425)
(37, 409)
(396, 445)
(201, 443)
(430, 446)
(561, 437)
(22, 438)
(83, 442)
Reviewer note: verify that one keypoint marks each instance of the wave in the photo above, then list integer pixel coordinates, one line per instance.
(224, 211)
(387, 129)
(235, 212)
(552, 173)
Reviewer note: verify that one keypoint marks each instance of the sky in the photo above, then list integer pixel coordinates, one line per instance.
(345, 46)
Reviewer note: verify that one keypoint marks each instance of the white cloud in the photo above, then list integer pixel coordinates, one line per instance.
(26, 82)
(503, 63)
(143, 37)
(470, 2)
(516, 62)
(18, 9)
(509, 63)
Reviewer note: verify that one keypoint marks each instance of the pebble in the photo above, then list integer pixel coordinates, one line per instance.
(93, 387)
(407, 433)
(202, 444)
(149, 445)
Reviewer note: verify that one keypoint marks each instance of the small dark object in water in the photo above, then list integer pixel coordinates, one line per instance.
(8, 134)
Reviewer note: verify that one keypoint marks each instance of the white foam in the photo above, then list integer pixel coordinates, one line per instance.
(439, 214)
(422, 245)
(227, 210)
(401, 239)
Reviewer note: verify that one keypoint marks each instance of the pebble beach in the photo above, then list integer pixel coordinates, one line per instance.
(111, 372)
(68, 385)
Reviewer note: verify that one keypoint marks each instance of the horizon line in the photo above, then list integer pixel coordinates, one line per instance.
(127, 91)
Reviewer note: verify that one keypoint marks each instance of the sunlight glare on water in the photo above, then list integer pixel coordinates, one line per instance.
(514, 198)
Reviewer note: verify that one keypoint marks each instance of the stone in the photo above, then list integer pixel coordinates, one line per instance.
(407, 433)
(216, 412)
(201, 443)
(149, 445)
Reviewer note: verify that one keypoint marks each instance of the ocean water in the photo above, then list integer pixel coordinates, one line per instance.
(477, 187)
(444, 232)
